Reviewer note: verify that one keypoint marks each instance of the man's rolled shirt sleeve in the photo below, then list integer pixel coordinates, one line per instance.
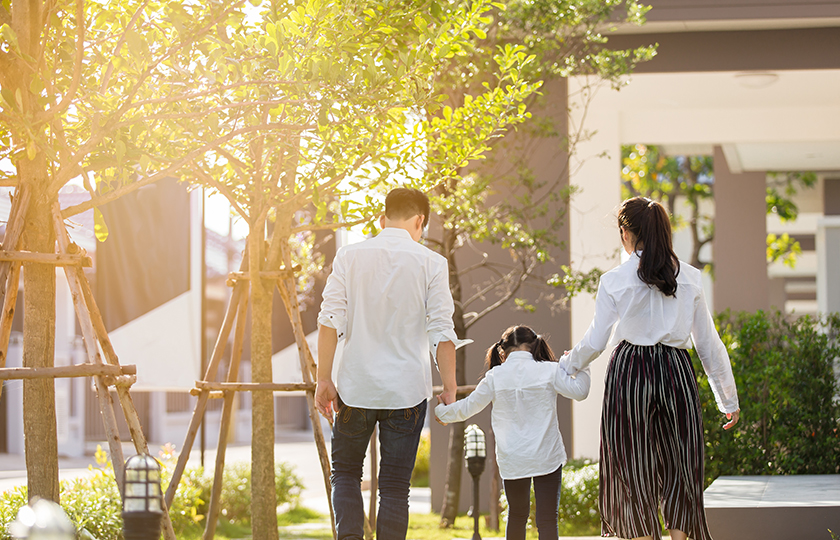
(333, 312)
(439, 311)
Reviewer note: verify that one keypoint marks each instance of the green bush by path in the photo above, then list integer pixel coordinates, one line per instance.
(788, 390)
(420, 475)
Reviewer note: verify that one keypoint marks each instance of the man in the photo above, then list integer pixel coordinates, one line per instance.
(389, 298)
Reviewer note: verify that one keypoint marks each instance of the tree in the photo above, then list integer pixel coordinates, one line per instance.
(649, 172)
(85, 88)
(328, 106)
(500, 205)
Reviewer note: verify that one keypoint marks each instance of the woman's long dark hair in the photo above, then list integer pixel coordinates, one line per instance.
(512, 338)
(649, 223)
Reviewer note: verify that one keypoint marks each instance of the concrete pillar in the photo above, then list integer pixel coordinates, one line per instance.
(740, 244)
(828, 249)
(593, 241)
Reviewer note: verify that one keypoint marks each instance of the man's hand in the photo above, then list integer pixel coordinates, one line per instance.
(439, 400)
(325, 399)
(447, 397)
(733, 419)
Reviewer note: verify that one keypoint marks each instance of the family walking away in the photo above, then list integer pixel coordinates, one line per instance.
(388, 298)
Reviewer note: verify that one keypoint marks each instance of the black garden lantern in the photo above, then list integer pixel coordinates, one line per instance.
(475, 451)
(142, 508)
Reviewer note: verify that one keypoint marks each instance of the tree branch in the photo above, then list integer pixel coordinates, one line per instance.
(50, 113)
(106, 79)
(215, 109)
(223, 189)
(328, 226)
(128, 188)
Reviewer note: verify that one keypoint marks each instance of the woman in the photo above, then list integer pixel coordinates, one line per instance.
(651, 424)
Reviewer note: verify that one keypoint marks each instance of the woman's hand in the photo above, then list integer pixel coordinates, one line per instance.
(733, 419)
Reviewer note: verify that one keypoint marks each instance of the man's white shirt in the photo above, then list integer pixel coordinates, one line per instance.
(388, 298)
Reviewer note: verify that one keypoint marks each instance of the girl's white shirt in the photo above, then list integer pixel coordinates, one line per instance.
(642, 315)
(524, 396)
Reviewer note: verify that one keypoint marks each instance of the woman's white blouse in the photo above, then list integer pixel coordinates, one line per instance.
(524, 396)
(645, 316)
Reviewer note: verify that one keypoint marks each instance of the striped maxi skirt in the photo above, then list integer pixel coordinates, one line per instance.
(651, 444)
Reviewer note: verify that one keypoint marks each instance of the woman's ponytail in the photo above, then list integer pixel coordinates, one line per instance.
(648, 221)
(493, 357)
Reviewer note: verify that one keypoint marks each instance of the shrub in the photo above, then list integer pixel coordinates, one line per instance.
(787, 387)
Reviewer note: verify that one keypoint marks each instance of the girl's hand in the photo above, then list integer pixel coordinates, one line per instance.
(733, 419)
(439, 400)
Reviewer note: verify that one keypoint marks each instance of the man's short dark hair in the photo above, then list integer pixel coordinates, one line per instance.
(405, 203)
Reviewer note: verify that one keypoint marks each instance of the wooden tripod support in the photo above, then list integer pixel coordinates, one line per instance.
(105, 374)
(207, 389)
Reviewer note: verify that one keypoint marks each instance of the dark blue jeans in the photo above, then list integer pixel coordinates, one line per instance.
(399, 435)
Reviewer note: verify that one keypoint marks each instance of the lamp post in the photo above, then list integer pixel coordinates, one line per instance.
(475, 450)
(142, 509)
(42, 520)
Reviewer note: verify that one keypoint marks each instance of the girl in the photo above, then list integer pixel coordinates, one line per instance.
(651, 427)
(522, 383)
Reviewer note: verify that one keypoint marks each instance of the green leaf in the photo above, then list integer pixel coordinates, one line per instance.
(100, 228)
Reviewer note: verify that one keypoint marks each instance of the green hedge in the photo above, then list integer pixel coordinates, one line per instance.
(92, 502)
(786, 372)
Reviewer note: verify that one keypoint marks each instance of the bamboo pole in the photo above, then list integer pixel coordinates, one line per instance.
(201, 404)
(224, 428)
(106, 403)
(253, 387)
(8, 314)
(57, 259)
(78, 370)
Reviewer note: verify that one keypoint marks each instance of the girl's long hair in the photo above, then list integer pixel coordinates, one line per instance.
(649, 223)
(512, 338)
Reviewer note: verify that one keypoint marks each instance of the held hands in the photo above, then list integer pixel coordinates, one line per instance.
(445, 397)
(733, 419)
(325, 399)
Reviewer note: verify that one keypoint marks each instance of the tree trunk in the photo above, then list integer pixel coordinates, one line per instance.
(263, 494)
(455, 458)
(39, 428)
(41, 444)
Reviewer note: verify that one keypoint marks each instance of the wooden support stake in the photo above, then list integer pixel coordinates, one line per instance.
(201, 404)
(253, 387)
(8, 314)
(227, 412)
(95, 334)
(57, 259)
(14, 228)
(308, 370)
(106, 403)
(78, 370)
